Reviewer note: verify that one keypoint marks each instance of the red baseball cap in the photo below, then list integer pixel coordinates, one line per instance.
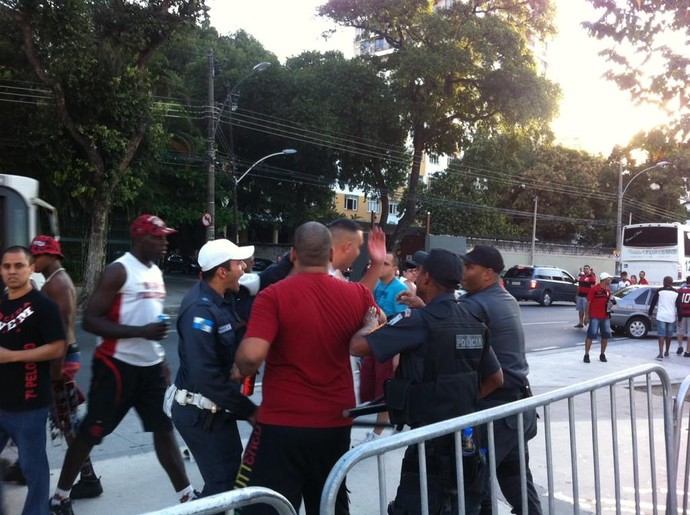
(45, 245)
(149, 225)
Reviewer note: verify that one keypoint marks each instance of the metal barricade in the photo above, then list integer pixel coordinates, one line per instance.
(682, 440)
(602, 477)
(228, 501)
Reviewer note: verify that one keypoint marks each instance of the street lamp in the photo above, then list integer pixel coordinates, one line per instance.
(621, 192)
(236, 181)
(213, 128)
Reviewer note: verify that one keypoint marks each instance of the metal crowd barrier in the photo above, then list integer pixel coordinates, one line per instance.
(228, 501)
(604, 485)
(682, 440)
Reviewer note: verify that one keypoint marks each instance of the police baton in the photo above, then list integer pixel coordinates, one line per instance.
(375, 406)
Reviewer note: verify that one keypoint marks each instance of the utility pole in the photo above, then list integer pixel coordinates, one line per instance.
(211, 178)
(619, 218)
(534, 229)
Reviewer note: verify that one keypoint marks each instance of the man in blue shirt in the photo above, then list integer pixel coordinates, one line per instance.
(206, 404)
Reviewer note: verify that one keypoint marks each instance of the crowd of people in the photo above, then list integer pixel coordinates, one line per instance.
(307, 325)
(669, 307)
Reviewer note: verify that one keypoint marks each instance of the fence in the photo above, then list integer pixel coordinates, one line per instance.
(619, 477)
(564, 420)
(230, 500)
(682, 462)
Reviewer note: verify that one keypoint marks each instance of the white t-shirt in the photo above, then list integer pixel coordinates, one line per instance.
(139, 302)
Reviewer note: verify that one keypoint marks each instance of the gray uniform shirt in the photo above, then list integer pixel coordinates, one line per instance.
(499, 310)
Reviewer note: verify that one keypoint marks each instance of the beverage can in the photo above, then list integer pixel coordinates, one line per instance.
(164, 318)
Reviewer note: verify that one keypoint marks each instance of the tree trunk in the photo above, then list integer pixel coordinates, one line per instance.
(411, 203)
(98, 239)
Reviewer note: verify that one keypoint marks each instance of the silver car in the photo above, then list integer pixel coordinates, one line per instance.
(629, 314)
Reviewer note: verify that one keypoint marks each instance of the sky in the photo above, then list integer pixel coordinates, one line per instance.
(594, 114)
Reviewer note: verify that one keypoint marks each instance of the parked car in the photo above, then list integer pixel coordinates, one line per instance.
(542, 284)
(181, 264)
(629, 314)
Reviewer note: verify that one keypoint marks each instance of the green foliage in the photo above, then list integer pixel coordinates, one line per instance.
(647, 51)
(456, 70)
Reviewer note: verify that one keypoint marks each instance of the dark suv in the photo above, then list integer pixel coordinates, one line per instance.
(542, 284)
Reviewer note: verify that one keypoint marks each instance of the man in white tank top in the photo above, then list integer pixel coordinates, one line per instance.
(128, 366)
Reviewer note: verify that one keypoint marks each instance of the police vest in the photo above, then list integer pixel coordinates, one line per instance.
(443, 383)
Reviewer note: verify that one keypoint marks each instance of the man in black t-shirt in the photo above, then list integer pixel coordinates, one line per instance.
(31, 334)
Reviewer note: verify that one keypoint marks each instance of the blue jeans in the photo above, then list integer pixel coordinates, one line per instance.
(28, 430)
(599, 325)
(665, 329)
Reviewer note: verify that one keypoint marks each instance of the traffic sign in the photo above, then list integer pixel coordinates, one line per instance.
(206, 219)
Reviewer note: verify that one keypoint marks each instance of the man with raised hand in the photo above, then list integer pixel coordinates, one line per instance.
(301, 327)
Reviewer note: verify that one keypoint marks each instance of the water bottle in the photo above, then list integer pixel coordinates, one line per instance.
(163, 318)
(468, 447)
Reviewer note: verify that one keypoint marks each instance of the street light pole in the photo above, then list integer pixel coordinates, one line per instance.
(236, 181)
(621, 193)
(212, 128)
(211, 176)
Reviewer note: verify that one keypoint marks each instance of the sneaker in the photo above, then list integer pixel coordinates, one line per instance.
(602, 357)
(370, 437)
(666, 354)
(14, 474)
(586, 358)
(679, 351)
(191, 497)
(578, 326)
(660, 357)
(86, 488)
(686, 355)
(64, 508)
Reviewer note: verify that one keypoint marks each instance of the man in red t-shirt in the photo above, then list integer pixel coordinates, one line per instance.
(585, 281)
(683, 310)
(597, 316)
(301, 327)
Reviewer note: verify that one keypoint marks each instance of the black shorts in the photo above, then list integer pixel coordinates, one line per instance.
(294, 461)
(116, 387)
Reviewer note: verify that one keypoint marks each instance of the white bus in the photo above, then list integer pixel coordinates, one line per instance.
(657, 249)
(22, 214)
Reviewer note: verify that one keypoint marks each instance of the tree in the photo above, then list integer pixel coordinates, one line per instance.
(339, 115)
(648, 53)
(94, 58)
(454, 70)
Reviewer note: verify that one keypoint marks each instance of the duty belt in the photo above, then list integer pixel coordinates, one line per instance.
(183, 397)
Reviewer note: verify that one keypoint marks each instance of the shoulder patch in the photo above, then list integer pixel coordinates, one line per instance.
(397, 318)
(201, 324)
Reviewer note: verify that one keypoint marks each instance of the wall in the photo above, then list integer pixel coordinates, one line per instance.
(568, 257)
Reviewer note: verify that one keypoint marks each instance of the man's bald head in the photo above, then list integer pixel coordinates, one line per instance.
(313, 244)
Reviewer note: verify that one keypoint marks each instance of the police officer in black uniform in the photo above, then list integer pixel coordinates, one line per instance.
(446, 365)
(206, 404)
(499, 310)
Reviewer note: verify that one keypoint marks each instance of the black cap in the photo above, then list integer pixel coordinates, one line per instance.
(486, 256)
(444, 266)
(411, 264)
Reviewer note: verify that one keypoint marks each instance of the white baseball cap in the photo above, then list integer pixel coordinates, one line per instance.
(217, 252)
(604, 275)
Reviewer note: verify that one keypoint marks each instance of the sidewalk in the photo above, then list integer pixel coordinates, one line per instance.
(137, 483)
